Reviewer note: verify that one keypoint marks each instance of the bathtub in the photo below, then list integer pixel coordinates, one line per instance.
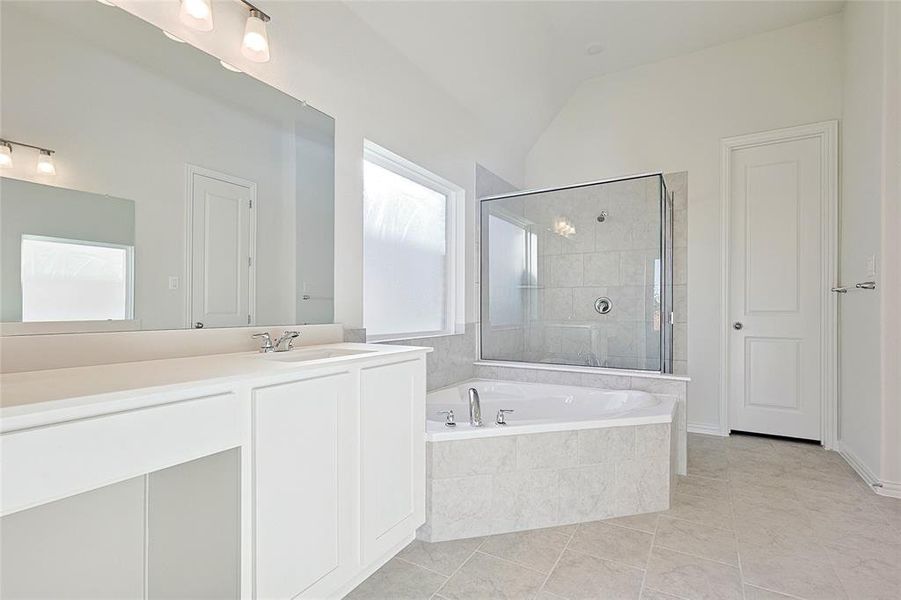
(539, 408)
(566, 455)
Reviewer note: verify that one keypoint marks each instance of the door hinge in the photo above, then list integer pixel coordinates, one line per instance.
(248, 319)
(250, 204)
(249, 261)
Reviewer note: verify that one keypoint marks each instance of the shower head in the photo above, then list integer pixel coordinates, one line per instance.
(602, 217)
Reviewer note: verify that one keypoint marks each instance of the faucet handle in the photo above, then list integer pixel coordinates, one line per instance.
(502, 416)
(265, 341)
(290, 336)
(448, 418)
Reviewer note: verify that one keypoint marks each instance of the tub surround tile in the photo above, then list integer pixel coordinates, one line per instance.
(601, 445)
(587, 493)
(457, 508)
(642, 485)
(480, 456)
(546, 450)
(652, 440)
(524, 500)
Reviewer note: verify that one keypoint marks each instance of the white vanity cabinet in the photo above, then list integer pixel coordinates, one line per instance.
(321, 464)
(339, 476)
(392, 455)
(303, 432)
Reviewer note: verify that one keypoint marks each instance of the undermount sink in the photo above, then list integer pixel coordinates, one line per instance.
(301, 355)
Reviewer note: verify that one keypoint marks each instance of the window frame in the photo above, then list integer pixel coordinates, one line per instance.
(129, 271)
(455, 242)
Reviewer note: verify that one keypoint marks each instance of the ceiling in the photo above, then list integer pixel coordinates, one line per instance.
(514, 64)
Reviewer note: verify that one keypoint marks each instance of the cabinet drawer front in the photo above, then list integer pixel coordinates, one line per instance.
(298, 431)
(392, 454)
(48, 463)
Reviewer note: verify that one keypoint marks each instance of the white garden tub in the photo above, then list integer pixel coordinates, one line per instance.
(539, 408)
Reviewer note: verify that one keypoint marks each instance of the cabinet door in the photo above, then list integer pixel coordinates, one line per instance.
(299, 429)
(392, 455)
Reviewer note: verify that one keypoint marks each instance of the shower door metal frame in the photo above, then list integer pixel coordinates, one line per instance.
(665, 309)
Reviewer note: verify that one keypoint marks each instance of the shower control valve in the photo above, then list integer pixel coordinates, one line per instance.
(502, 416)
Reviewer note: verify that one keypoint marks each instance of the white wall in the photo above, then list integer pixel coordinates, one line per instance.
(324, 54)
(869, 334)
(670, 116)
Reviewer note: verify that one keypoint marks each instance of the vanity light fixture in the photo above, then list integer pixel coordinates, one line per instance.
(197, 14)
(174, 38)
(255, 45)
(45, 156)
(45, 163)
(229, 67)
(6, 154)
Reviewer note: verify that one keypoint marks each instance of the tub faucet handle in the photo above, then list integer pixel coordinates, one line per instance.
(448, 418)
(502, 416)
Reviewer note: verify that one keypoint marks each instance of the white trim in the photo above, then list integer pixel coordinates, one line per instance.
(580, 369)
(889, 489)
(858, 465)
(190, 171)
(827, 132)
(706, 429)
(455, 236)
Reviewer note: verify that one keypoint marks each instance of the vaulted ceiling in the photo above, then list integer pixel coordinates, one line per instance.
(514, 64)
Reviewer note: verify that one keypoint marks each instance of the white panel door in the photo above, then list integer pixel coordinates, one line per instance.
(775, 288)
(300, 437)
(221, 253)
(392, 455)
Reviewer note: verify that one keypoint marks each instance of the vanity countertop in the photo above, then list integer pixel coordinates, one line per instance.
(34, 398)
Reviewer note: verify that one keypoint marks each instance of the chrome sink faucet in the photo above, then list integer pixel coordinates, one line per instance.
(267, 345)
(475, 408)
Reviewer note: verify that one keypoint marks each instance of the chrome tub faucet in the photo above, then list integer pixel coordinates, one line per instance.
(475, 408)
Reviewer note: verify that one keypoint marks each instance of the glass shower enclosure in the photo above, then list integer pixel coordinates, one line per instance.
(579, 275)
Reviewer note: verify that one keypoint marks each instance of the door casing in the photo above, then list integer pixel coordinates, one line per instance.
(188, 283)
(827, 134)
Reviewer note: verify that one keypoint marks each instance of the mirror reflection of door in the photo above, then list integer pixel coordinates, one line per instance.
(221, 246)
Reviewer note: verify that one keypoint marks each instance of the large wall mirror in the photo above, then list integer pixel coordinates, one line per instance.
(184, 194)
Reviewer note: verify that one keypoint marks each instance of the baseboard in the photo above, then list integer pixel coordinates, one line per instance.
(705, 429)
(891, 489)
(860, 468)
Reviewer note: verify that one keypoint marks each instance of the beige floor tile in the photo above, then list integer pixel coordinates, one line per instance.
(649, 594)
(643, 522)
(694, 538)
(707, 465)
(800, 570)
(620, 544)
(441, 557)
(538, 549)
(546, 595)
(580, 576)
(709, 511)
(398, 579)
(866, 567)
(702, 486)
(756, 593)
(692, 577)
(485, 577)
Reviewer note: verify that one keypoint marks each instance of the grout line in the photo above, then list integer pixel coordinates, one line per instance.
(410, 562)
(647, 562)
(462, 564)
(508, 561)
(559, 556)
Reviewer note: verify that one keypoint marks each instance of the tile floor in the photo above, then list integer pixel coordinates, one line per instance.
(755, 519)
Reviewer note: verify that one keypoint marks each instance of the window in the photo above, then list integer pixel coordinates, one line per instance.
(76, 280)
(413, 249)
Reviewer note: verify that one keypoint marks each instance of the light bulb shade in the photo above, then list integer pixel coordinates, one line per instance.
(197, 14)
(45, 163)
(256, 39)
(6, 155)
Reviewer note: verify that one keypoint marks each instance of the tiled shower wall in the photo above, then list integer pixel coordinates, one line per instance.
(614, 258)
